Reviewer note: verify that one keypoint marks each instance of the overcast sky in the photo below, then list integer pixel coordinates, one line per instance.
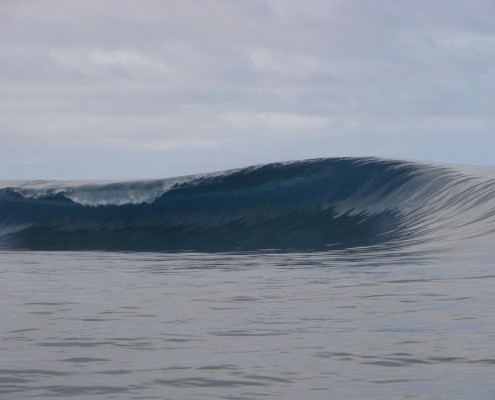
(116, 89)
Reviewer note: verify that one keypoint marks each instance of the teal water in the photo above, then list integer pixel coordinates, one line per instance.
(103, 325)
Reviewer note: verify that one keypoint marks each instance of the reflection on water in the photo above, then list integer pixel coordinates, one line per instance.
(243, 326)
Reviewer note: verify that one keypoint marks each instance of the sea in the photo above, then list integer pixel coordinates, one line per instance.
(336, 278)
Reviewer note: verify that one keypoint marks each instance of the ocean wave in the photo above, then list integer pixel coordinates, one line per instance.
(311, 205)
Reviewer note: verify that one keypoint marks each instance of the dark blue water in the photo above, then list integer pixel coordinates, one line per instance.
(337, 278)
(312, 205)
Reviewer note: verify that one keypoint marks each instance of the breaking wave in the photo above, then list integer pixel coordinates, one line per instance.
(312, 205)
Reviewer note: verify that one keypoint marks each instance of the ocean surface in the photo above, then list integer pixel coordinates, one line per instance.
(320, 279)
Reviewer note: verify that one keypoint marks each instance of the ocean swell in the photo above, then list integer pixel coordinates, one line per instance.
(313, 205)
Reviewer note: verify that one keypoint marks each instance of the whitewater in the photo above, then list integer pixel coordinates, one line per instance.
(350, 278)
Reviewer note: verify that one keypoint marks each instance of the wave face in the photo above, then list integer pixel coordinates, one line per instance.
(313, 205)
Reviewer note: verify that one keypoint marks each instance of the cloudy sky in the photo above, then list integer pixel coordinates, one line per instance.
(117, 89)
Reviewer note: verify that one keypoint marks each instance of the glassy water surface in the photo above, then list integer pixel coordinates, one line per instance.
(102, 325)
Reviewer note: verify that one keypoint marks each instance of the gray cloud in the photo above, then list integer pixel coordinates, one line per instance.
(117, 89)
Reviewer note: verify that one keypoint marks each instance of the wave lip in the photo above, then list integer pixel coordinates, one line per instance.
(311, 205)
